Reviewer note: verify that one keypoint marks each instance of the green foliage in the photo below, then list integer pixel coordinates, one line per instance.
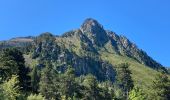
(161, 87)
(90, 81)
(67, 83)
(46, 49)
(45, 37)
(35, 97)
(9, 63)
(123, 78)
(119, 94)
(49, 82)
(35, 77)
(12, 63)
(137, 94)
(58, 86)
(2, 96)
(91, 91)
(10, 89)
(106, 91)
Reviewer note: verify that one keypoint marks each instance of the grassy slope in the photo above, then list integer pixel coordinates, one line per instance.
(142, 75)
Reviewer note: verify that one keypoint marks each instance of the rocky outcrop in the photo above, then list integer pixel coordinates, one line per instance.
(92, 36)
(127, 48)
(61, 58)
(94, 31)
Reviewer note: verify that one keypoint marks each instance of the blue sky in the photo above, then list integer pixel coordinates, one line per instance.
(144, 22)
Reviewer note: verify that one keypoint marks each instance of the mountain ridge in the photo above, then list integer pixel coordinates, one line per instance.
(123, 45)
(93, 35)
(85, 51)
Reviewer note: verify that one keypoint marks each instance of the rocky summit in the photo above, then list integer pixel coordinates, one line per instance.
(97, 37)
(94, 31)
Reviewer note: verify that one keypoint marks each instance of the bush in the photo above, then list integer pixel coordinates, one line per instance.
(35, 97)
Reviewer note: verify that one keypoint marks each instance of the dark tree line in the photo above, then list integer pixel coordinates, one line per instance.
(18, 82)
(12, 63)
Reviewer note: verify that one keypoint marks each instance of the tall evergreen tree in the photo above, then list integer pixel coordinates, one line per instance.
(35, 77)
(12, 63)
(123, 78)
(68, 85)
(91, 91)
(161, 87)
(107, 90)
(8, 65)
(48, 86)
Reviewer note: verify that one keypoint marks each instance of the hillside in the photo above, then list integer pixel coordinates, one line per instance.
(92, 40)
(89, 50)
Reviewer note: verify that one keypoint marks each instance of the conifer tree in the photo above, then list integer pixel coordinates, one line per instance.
(12, 63)
(161, 87)
(91, 91)
(48, 86)
(68, 85)
(123, 78)
(35, 77)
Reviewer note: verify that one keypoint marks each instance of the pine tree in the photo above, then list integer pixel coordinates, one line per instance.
(68, 86)
(8, 65)
(12, 63)
(91, 91)
(35, 77)
(123, 78)
(48, 86)
(161, 87)
(107, 90)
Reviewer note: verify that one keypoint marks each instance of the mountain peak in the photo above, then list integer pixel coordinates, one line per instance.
(94, 31)
(90, 25)
(90, 21)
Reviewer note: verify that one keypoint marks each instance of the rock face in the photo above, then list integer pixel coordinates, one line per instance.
(94, 31)
(127, 48)
(61, 58)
